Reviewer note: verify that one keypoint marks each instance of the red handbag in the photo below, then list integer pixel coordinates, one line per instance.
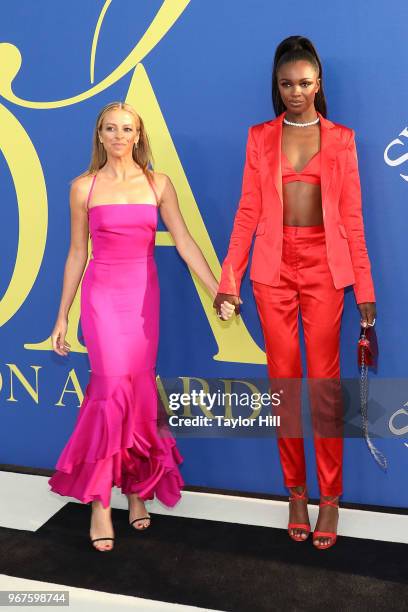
(367, 347)
(367, 357)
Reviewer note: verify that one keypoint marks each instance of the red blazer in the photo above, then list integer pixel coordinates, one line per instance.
(260, 211)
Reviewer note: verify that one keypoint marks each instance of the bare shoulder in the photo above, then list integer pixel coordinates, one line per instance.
(80, 189)
(82, 184)
(160, 179)
(162, 183)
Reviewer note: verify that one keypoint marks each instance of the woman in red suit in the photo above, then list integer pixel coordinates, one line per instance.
(301, 198)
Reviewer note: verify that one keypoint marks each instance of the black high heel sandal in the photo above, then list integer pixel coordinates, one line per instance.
(142, 518)
(97, 540)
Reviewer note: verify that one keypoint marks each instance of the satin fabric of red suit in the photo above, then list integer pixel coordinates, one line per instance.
(305, 284)
(261, 206)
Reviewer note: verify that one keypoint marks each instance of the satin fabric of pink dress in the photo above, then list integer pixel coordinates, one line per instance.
(116, 440)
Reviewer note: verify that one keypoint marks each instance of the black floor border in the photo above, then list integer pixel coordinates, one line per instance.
(33, 471)
(182, 560)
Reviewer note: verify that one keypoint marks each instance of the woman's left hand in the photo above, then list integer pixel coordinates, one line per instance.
(368, 313)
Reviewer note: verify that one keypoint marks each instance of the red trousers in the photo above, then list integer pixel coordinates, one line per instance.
(306, 284)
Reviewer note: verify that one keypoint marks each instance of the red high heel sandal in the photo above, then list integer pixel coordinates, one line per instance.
(326, 534)
(303, 526)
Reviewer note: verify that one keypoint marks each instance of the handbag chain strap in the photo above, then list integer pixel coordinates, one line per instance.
(378, 456)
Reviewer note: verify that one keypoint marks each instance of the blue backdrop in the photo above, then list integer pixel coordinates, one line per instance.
(211, 75)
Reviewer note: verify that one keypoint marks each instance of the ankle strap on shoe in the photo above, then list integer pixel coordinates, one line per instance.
(295, 495)
(329, 502)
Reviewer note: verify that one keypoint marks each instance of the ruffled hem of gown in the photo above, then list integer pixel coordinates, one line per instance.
(118, 441)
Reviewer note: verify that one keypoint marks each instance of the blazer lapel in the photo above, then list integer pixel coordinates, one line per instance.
(328, 152)
(272, 150)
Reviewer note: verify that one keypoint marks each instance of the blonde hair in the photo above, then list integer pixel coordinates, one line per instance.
(141, 153)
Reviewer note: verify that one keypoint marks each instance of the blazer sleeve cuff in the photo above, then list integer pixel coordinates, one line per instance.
(229, 283)
(364, 295)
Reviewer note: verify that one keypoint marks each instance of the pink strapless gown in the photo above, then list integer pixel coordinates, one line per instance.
(116, 439)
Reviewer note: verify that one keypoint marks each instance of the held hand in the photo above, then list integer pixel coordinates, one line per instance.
(225, 299)
(368, 313)
(59, 344)
(227, 310)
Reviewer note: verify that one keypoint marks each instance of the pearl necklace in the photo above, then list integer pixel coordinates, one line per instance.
(302, 125)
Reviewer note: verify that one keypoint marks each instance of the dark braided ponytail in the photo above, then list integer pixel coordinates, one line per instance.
(293, 49)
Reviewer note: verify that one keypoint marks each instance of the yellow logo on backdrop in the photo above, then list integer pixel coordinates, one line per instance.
(233, 339)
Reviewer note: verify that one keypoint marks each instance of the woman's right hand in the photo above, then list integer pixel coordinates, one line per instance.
(220, 298)
(59, 344)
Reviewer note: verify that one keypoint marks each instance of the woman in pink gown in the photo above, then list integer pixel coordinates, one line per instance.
(116, 441)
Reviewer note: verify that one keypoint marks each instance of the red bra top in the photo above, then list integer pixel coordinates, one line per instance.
(309, 174)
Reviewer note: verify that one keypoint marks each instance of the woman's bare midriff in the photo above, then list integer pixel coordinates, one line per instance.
(302, 204)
